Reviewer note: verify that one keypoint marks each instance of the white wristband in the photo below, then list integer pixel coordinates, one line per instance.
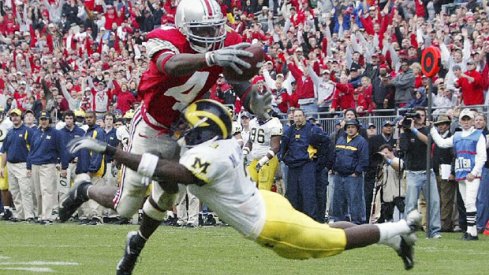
(271, 153)
(263, 160)
(246, 151)
(147, 165)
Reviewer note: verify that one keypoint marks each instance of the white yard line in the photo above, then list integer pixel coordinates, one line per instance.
(4, 257)
(31, 269)
(40, 263)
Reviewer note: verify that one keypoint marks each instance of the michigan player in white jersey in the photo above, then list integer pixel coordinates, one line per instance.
(5, 126)
(122, 132)
(213, 169)
(263, 144)
(236, 126)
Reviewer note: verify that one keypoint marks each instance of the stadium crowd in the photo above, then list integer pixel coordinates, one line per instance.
(72, 68)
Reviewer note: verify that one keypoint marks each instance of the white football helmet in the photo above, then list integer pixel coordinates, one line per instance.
(202, 22)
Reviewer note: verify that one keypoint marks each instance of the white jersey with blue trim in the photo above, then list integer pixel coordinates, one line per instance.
(122, 134)
(5, 126)
(225, 187)
(261, 136)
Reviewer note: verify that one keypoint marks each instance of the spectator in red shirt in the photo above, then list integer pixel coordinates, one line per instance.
(125, 99)
(343, 95)
(470, 84)
(363, 97)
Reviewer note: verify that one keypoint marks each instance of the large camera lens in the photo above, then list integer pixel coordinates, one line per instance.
(406, 123)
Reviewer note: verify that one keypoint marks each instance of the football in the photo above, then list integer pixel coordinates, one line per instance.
(256, 61)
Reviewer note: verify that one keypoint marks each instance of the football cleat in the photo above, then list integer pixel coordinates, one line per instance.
(406, 252)
(468, 237)
(73, 200)
(7, 214)
(134, 245)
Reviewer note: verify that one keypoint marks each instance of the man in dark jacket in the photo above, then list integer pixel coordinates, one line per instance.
(91, 166)
(324, 162)
(351, 160)
(69, 132)
(297, 154)
(15, 149)
(445, 177)
(46, 150)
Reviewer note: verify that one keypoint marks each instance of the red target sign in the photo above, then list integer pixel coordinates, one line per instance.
(430, 61)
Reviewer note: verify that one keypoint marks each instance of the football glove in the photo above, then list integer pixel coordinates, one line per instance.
(230, 57)
(88, 143)
(261, 104)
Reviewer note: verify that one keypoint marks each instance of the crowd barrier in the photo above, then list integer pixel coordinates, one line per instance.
(328, 119)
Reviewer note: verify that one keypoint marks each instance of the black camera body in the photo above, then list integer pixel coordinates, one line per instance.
(408, 117)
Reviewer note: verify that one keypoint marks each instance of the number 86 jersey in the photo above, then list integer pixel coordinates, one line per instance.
(261, 134)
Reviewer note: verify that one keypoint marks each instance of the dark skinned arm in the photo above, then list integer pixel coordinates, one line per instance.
(170, 170)
(185, 64)
(182, 64)
(275, 144)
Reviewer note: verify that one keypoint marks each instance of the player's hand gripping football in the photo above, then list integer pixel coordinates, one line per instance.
(78, 144)
(230, 57)
(261, 104)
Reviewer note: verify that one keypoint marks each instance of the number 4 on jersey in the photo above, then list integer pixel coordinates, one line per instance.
(188, 91)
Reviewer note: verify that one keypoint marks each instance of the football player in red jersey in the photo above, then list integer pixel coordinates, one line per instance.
(185, 61)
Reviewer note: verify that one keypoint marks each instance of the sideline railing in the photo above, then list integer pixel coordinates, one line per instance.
(328, 119)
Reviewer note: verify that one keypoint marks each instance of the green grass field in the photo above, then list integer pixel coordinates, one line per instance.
(75, 249)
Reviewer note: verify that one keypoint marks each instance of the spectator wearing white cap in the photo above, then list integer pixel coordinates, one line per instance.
(100, 99)
(470, 157)
(324, 88)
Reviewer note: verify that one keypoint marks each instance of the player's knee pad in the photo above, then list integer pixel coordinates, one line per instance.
(167, 200)
(153, 211)
(128, 203)
(127, 210)
(164, 198)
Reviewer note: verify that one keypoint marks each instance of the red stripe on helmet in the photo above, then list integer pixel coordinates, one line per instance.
(209, 7)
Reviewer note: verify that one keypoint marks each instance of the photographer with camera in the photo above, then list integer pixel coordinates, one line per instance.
(393, 190)
(413, 144)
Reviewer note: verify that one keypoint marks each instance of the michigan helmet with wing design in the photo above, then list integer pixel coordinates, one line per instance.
(207, 119)
(203, 23)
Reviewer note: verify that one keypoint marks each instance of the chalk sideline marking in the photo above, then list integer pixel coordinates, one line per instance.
(31, 269)
(40, 263)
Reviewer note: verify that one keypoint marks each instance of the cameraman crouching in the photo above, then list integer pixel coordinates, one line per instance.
(413, 142)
